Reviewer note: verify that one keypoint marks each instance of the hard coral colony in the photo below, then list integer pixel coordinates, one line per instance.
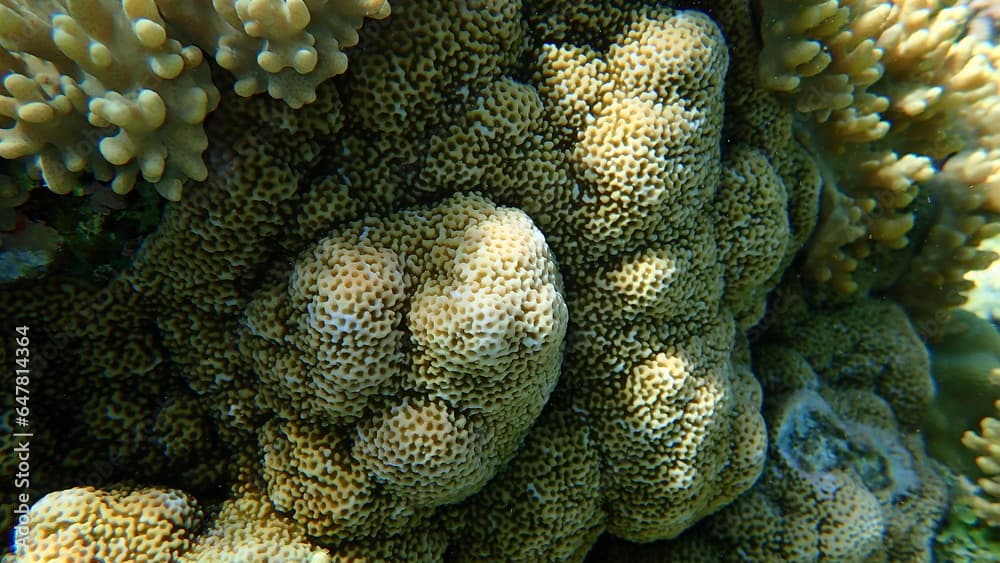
(531, 280)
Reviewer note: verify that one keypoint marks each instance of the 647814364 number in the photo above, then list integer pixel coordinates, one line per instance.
(22, 373)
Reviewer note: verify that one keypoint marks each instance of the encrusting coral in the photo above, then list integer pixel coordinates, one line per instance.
(509, 284)
(247, 528)
(846, 478)
(417, 362)
(120, 524)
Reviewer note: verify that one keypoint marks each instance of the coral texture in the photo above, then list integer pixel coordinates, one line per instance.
(121, 524)
(406, 368)
(844, 480)
(120, 89)
(984, 497)
(984, 297)
(527, 274)
(283, 48)
(246, 528)
(902, 105)
(986, 443)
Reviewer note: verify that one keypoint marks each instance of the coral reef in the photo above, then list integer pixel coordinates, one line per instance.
(901, 104)
(121, 89)
(985, 501)
(844, 479)
(120, 524)
(525, 274)
(370, 429)
(247, 528)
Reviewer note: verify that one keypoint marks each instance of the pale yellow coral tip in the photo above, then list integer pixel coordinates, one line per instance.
(167, 66)
(297, 14)
(988, 465)
(801, 53)
(247, 86)
(21, 87)
(149, 33)
(154, 110)
(305, 60)
(383, 11)
(270, 62)
(170, 189)
(69, 38)
(115, 151)
(35, 112)
(809, 17)
(100, 55)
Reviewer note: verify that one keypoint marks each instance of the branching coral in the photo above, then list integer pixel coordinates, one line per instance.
(488, 295)
(108, 87)
(967, 368)
(984, 298)
(986, 443)
(901, 103)
(283, 48)
(102, 87)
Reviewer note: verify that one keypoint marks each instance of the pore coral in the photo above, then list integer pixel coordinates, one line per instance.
(525, 275)
(124, 523)
(844, 480)
(653, 359)
(246, 528)
(440, 351)
(841, 483)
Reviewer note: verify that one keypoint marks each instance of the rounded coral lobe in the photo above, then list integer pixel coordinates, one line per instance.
(457, 309)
